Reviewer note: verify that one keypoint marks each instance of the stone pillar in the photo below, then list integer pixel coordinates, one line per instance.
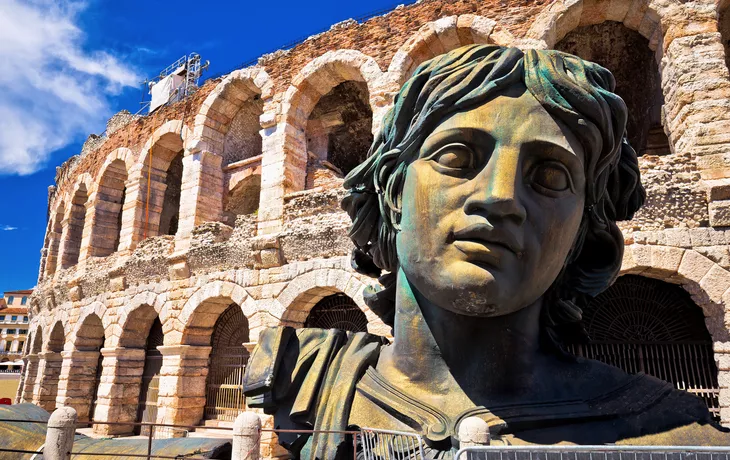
(21, 383)
(60, 434)
(201, 194)
(30, 369)
(118, 394)
(181, 400)
(473, 431)
(133, 210)
(48, 383)
(283, 169)
(78, 381)
(246, 437)
(722, 359)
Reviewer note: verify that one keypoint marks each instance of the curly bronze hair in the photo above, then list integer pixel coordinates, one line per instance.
(574, 91)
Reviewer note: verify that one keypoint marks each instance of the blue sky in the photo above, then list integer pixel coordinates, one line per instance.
(67, 66)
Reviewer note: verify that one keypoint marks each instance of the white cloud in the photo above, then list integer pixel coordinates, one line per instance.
(7, 228)
(53, 88)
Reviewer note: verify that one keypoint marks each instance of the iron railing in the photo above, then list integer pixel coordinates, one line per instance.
(391, 445)
(592, 453)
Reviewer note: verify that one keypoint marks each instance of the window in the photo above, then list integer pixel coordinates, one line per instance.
(2, 317)
(11, 331)
(25, 319)
(23, 331)
(24, 300)
(11, 299)
(20, 345)
(8, 345)
(13, 318)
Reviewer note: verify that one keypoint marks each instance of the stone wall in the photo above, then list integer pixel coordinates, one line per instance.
(278, 260)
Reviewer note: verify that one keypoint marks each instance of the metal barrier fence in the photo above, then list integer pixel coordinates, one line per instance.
(592, 453)
(391, 445)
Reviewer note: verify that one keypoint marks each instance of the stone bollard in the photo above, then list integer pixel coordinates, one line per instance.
(60, 434)
(473, 431)
(246, 437)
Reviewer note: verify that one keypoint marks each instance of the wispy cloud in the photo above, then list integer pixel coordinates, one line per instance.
(7, 228)
(53, 87)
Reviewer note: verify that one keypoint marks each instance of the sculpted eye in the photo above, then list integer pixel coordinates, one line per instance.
(551, 177)
(454, 156)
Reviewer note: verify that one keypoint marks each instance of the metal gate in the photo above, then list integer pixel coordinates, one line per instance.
(337, 312)
(224, 398)
(150, 388)
(645, 325)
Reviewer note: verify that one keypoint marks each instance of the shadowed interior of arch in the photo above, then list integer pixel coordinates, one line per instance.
(338, 132)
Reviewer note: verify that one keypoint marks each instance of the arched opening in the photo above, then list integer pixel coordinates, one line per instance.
(626, 53)
(243, 198)
(338, 133)
(75, 228)
(37, 344)
(723, 26)
(224, 398)
(166, 164)
(55, 341)
(337, 311)
(646, 325)
(243, 139)
(56, 230)
(89, 338)
(108, 213)
(150, 385)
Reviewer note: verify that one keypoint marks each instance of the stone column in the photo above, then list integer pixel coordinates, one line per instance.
(201, 194)
(133, 210)
(77, 382)
(48, 381)
(283, 169)
(181, 399)
(118, 394)
(246, 437)
(30, 370)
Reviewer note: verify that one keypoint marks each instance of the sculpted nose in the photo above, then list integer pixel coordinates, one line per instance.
(496, 190)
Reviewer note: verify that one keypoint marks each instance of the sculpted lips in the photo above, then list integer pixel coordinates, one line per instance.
(485, 243)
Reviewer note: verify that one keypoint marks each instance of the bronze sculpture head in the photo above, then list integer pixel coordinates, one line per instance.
(490, 199)
(569, 134)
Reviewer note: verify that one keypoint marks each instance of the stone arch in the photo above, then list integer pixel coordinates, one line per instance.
(108, 203)
(443, 35)
(75, 221)
(90, 331)
(227, 108)
(161, 160)
(55, 231)
(37, 344)
(303, 292)
(136, 318)
(57, 338)
(706, 281)
(199, 314)
(562, 16)
(315, 81)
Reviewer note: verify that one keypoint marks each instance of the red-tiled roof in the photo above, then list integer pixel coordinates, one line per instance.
(14, 311)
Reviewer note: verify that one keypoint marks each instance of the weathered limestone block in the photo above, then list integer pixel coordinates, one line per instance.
(49, 380)
(182, 385)
(118, 393)
(77, 384)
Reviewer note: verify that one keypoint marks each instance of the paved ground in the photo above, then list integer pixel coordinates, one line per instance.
(9, 385)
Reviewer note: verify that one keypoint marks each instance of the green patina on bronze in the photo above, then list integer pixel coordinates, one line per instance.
(487, 208)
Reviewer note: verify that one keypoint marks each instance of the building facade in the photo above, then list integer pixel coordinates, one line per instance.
(13, 327)
(176, 237)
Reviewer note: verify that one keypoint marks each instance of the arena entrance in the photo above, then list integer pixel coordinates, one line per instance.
(150, 388)
(645, 325)
(337, 312)
(224, 398)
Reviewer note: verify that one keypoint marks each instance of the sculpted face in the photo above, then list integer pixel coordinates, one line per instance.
(492, 207)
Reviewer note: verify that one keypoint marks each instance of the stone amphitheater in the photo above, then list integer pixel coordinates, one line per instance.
(174, 238)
